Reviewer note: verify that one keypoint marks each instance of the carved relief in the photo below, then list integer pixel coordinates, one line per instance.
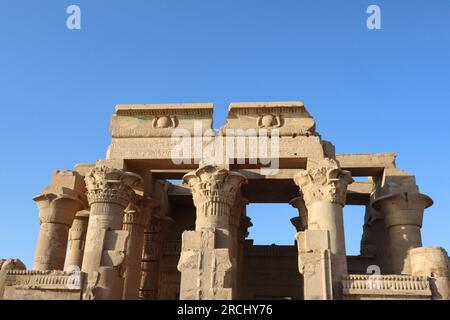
(105, 184)
(90, 286)
(11, 264)
(269, 121)
(189, 260)
(324, 182)
(214, 189)
(136, 214)
(163, 122)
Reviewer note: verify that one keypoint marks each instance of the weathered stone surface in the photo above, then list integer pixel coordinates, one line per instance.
(385, 287)
(403, 216)
(290, 118)
(209, 251)
(432, 262)
(76, 241)
(42, 285)
(314, 263)
(135, 235)
(323, 187)
(58, 204)
(159, 120)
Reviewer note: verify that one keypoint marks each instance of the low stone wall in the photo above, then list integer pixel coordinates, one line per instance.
(42, 285)
(363, 286)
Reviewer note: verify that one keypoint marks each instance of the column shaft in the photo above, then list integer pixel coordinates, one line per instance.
(323, 187)
(51, 248)
(77, 239)
(109, 192)
(151, 256)
(135, 220)
(208, 269)
(57, 209)
(403, 215)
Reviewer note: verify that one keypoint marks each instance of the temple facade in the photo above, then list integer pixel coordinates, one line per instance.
(163, 216)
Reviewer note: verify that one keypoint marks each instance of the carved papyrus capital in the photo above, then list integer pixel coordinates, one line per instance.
(403, 208)
(326, 181)
(214, 190)
(59, 205)
(105, 184)
(139, 211)
(136, 214)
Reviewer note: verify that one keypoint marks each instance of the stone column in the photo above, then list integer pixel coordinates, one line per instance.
(151, 256)
(433, 263)
(243, 232)
(324, 187)
(375, 240)
(109, 192)
(135, 220)
(57, 205)
(205, 262)
(236, 233)
(403, 215)
(77, 239)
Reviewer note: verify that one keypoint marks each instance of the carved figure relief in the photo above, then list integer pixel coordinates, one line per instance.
(269, 121)
(163, 122)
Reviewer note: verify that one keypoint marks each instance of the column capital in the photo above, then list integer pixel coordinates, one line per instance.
(136, 214)
(139, 210)
(214, 185)
(324, 181)
(106, 184)
(59, 205)
(403, 208)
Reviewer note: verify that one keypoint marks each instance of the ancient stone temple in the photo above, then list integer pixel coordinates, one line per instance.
(163, 216)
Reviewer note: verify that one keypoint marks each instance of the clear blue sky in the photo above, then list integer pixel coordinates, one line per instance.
(369, 90)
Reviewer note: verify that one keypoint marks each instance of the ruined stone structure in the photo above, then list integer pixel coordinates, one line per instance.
(123, 228)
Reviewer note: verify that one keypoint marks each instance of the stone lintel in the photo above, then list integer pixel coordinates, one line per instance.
(159, 120)
(289, 117)
(161, 109)
(393, 181)
(259, 191)
(366, 164)
(163, 152)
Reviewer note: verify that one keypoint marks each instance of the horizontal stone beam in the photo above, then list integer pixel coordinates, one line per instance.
(277, 191)
(366, 164)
